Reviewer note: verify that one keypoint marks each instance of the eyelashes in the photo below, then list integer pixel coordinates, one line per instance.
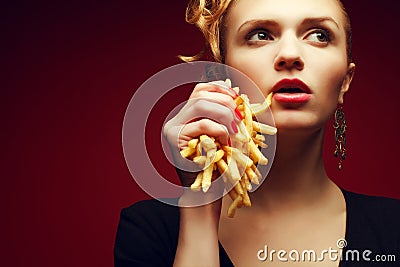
(317, 35)
(259, 34)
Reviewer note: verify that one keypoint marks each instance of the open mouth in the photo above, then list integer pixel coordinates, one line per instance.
(291, 86)
(290, 90)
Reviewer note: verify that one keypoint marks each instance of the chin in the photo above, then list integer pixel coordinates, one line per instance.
(299, 125)
(297, 120)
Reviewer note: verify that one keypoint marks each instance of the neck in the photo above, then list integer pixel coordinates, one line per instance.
(297, 175)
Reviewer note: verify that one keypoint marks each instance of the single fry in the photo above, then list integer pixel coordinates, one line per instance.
(256, 155)
(187, 152)
(240, 158)
(257, 109)
(199, 149)
(252, 175)
(232, 193)
(239, 137)
(210, 155)
(259, 137)
(200, 160)
(239, 100)
(259, 143)
(193, 143)
(207, 143)
(207, 175)
(245, 196)
(233, 168)
(247, 182)
(247, 115)
(264, 128)
(197, 183)
(224, 170)
(218, 155)
(259, 176)
(238, 188)
(269, 99)
(232, 208)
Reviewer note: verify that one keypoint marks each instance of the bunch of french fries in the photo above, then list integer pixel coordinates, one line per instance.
(237, 163)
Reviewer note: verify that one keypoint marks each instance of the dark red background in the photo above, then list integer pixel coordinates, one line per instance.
(68, 72)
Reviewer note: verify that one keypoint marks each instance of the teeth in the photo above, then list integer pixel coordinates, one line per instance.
(290, 90)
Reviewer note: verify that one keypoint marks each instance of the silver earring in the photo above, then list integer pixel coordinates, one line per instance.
(340, 136)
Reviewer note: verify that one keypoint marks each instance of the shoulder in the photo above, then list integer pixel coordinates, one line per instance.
(152, 209)
(377, 212)
(372, 222)
(147, 234)
(155, 218)
(379, 207)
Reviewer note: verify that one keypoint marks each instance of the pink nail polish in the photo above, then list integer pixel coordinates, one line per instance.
(234, 127)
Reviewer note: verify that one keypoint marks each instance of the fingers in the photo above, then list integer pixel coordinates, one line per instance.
(216, 86)
(197, 109)
(217, 92)
(203, 126)
(211, 109)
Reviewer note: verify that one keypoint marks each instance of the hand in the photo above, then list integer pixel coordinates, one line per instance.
(210, 110)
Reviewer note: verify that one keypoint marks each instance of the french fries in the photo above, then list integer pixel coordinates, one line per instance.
(237, 163)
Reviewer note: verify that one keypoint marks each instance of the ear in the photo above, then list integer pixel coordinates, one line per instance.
(346, 81)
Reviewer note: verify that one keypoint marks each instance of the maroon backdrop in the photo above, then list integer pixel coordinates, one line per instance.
(68, 72)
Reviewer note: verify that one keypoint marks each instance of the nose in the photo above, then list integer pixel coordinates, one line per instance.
(289, 54)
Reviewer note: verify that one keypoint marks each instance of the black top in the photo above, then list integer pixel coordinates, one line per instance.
(148, 230)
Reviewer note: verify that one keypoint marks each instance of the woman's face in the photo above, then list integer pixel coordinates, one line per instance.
(296, 49)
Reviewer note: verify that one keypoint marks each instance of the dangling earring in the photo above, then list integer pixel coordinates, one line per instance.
(340, 136)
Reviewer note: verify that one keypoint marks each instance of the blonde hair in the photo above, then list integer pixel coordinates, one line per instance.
(208, 16)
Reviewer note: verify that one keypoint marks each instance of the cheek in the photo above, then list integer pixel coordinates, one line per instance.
(328, 79)
(257, 66)
(240, 61)
(330, 76)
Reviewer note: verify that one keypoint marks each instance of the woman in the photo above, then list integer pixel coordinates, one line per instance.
(279, 44)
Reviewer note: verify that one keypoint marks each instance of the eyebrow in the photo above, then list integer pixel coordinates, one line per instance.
(258, 21)
(319, 20)
(306, 21)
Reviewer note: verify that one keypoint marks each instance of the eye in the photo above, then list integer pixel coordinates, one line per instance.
(259, 35)
(319, 36)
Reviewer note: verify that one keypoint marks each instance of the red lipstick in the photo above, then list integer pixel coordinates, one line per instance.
(291, 91)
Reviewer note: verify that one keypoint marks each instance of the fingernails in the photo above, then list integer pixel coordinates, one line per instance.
(235, 94)
(234, 127)
(238, 114)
